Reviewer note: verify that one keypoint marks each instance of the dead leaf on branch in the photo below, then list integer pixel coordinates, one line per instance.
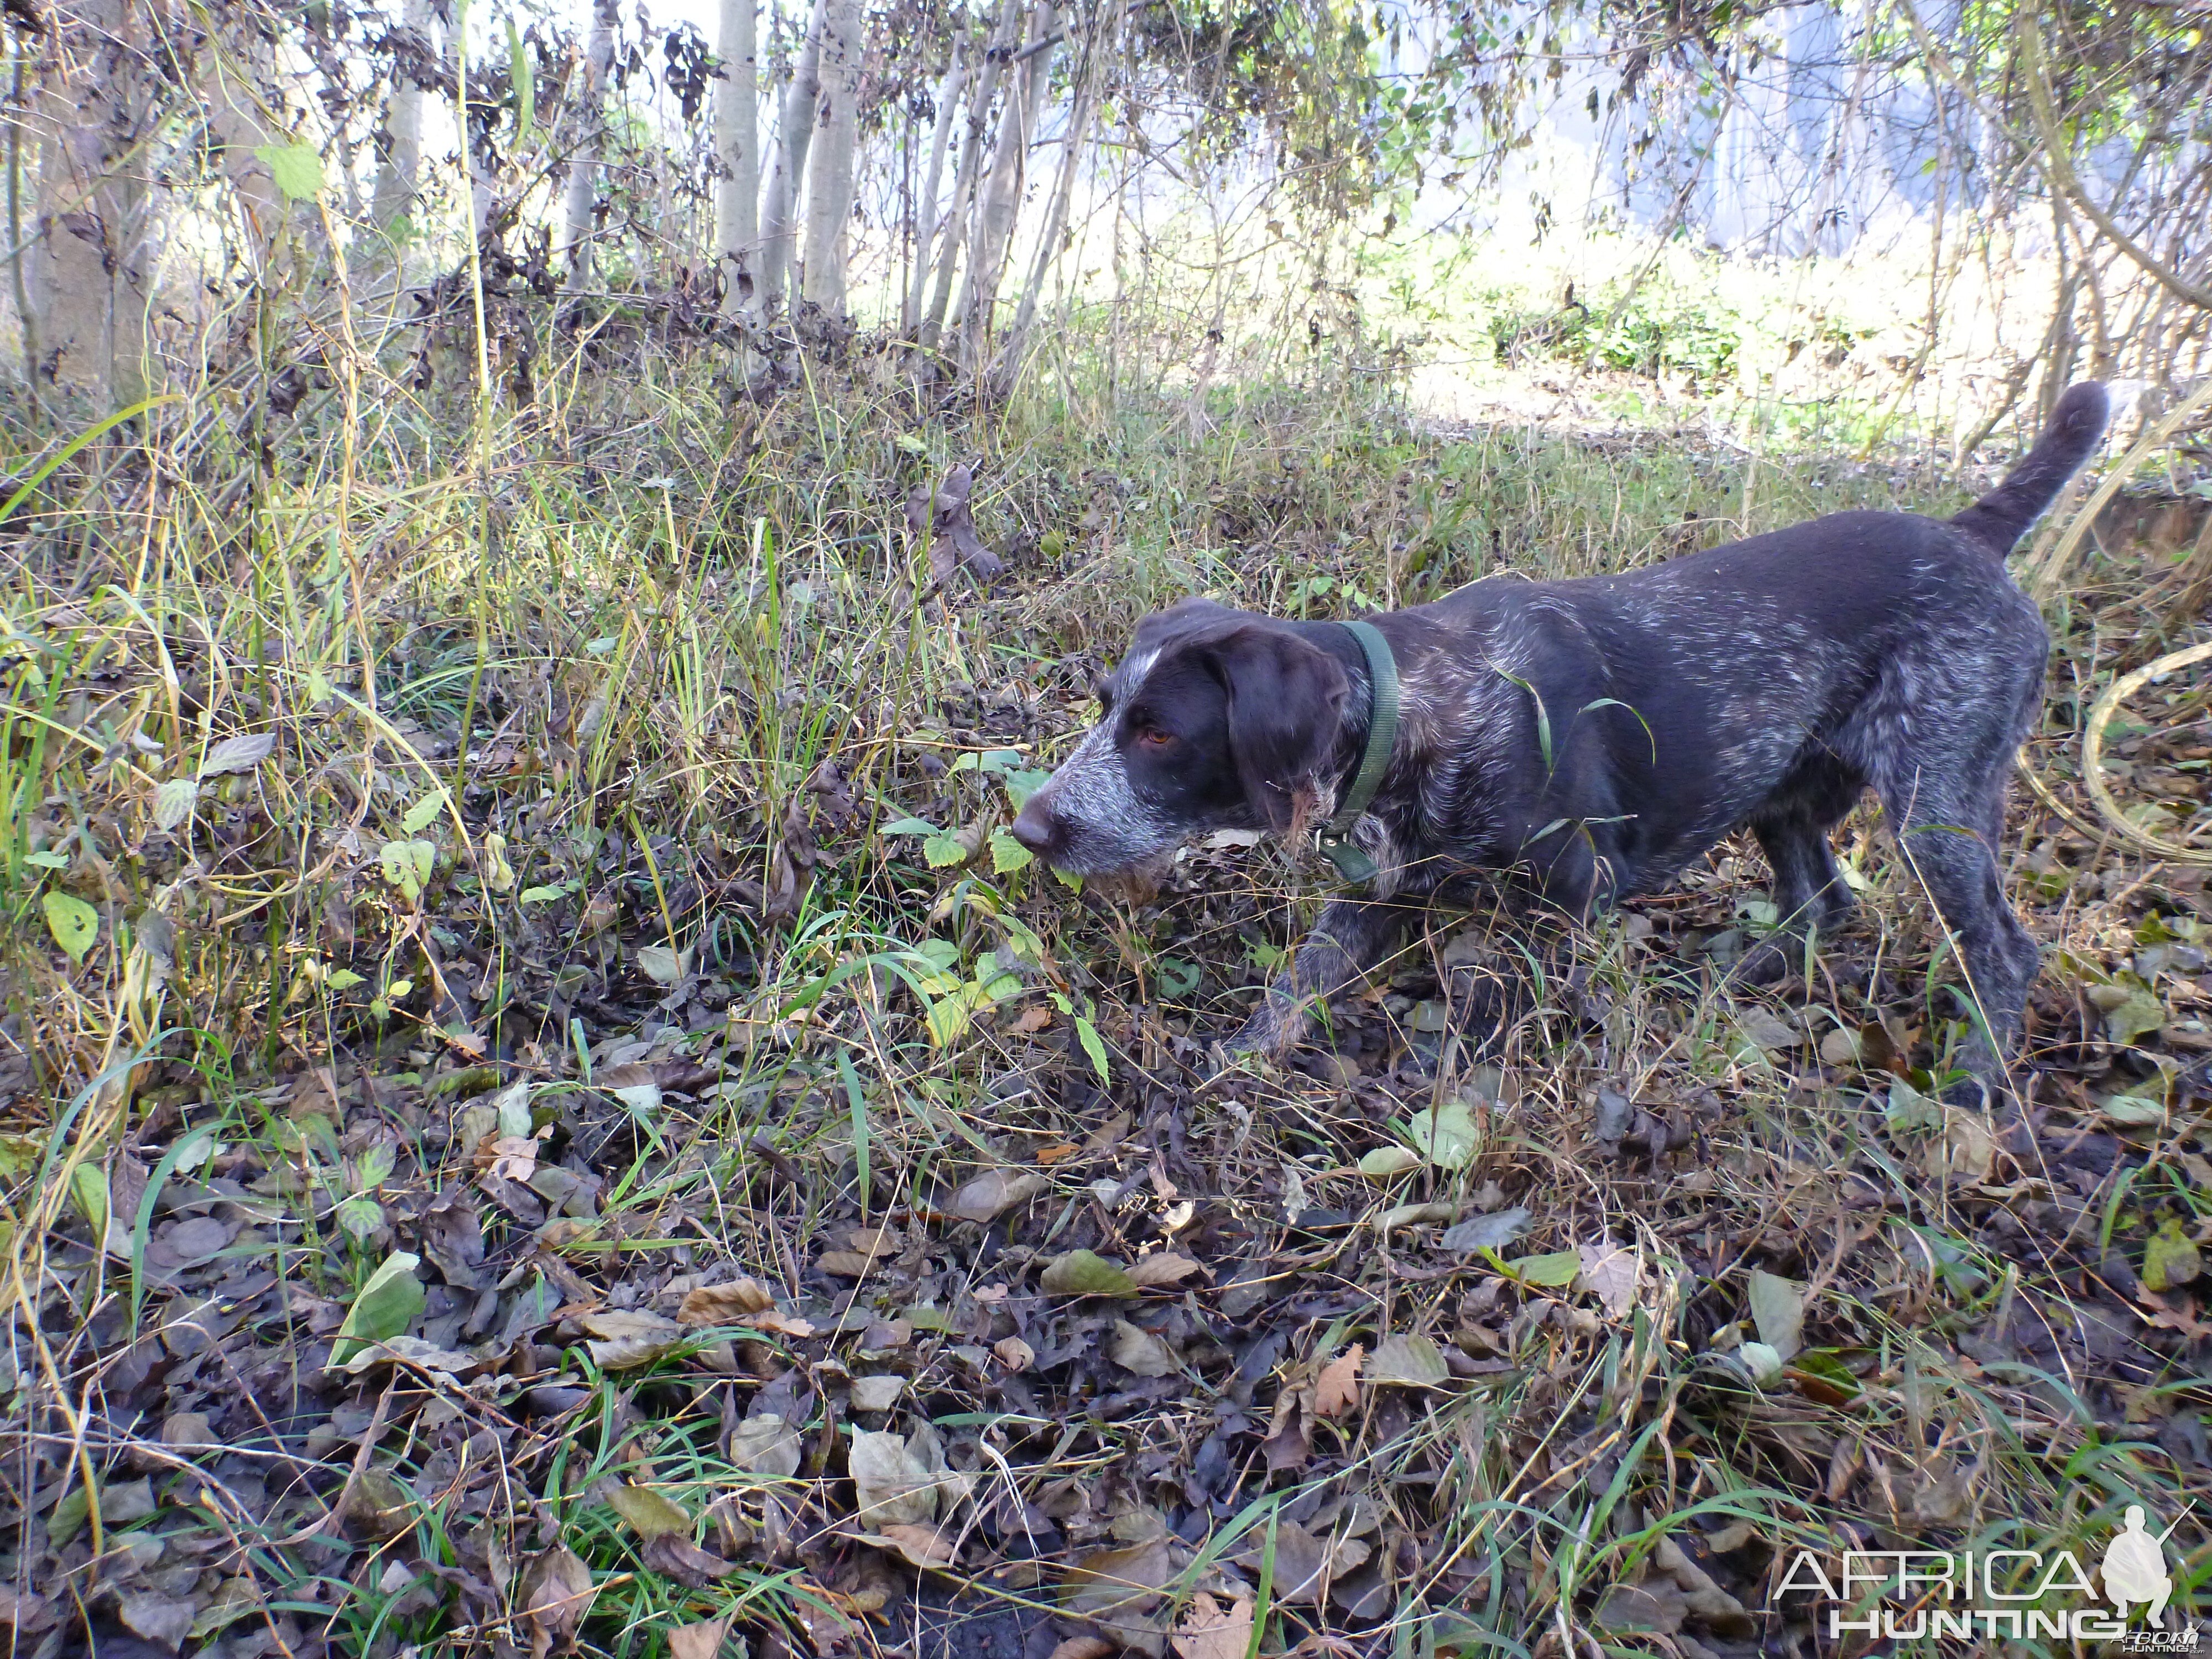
(945, 520)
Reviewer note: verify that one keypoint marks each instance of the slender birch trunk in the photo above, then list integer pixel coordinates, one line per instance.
(582, 194)
(927, 221)
(399, 175)
(89, 272)
(1008, 364)
(829, 160)
(963, 176)
(795, 132)
(737, 153)
(1002, 190)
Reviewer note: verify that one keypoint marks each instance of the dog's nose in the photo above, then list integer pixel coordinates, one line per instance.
(1034, 827)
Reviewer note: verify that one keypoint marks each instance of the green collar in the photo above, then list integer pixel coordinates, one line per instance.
(1335, 837)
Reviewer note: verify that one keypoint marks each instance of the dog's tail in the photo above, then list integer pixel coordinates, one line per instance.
(2077, 424)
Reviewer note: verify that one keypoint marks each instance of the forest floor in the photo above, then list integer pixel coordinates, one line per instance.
(585, 1133)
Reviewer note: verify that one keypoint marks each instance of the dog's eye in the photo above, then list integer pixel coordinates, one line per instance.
(1157, 738)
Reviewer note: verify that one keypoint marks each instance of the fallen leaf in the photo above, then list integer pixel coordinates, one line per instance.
(1408, 1361)
(846, 1264)
(1445, 1134)
(1135, 1349)
(1486, 1232)
(1083, 1647)
(1384, 1162)
(1965, 1151)
(1161, 1267)
(725, 1304)
(1549, 1271)
(650, 1513)
(1300, 1561)
(765, 1444)
(993, 1193)
(2170, 1258)
(1080, 1273)
(1033, 1020)
(240, 754)
(1117, 1581)
(1210, 1630)
(627, 1340)
(877, 1394)
(925, 1546)
(557, 1592)
(1336, 1390)
(1609, 1272)
(700, 1641)
(1013, 1353)
(162, 1619)
(1777, 1308)
(890, 1486)
(389, 1303)
(674, 1556)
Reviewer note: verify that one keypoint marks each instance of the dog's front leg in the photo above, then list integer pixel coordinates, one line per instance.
(1348, 943)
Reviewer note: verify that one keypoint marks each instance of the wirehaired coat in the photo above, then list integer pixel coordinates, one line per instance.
(1590, 738)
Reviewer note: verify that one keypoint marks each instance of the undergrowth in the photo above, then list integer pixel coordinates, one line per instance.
(532, 891)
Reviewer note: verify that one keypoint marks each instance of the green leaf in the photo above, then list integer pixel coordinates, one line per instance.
(1384, 1162)
(1022, 782)
(342, 978)
(297, 169)
(944, 850)
(374, 1168)
(422, 811)
(391, 1302)
(45, 860)
(1178, 978)
(650, 1514)
(1445, 1134)
(360, 1216)
(1082, 1272)
(1409, 1361)
(69, 1516)
(1777, 1308)
(174, 802)
(88, 1190)
(407, 864)
(1552, 1271)
(525, 83)
(908, 827)
(2134, 1110)
(1007, 854)
(1087, 1035)
(73, 923)
(2170, 1258)
(541, 895)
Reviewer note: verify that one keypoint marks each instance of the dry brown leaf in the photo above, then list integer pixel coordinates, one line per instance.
(765, 1444)
(1033, 1020)
(892, 1487)
(629, 1339)
(1210, 1630)
(1014, 1354)
(782, 1324)
(993, 1193)
(1060, 1153)
(1135, 1349)
(1336, 1390)
(674, 1556)
(1083, 1647)
(510, 1157)
(925, 1546)
(556, 1593)
(1609, 1273)
(1161, 1267)
(1118, 1581)
(725, 1304)
(700, 1641)
(846, 1264)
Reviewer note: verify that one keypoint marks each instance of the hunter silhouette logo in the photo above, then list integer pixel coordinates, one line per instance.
(1989, 1595)
(2135, 1569)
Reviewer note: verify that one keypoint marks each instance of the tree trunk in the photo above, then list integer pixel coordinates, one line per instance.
(963, 176)
(399, 176)
(89, 278)
(1007, 367)
(582, 195)
(795, 131)
(237, 94)
(737, 155)
(927, 221)
(1002, 190)
(830, 159)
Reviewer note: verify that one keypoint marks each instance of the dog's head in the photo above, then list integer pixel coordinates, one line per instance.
(1216, 719)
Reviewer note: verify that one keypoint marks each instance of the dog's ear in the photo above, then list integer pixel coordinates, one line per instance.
(1286, 702)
